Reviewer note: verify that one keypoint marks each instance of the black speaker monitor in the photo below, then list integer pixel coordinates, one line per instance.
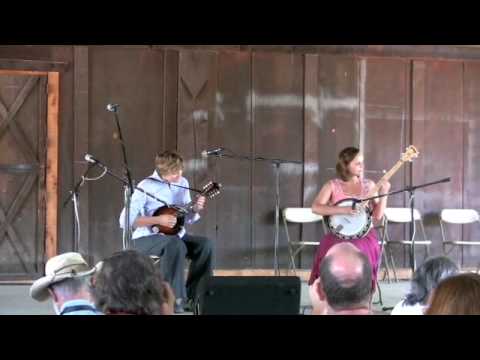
(249, 295)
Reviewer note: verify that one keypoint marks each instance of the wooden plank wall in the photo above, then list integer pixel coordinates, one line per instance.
(233, 130)
(439, 130)
(277, 110)
(284, 104)
(134, 80)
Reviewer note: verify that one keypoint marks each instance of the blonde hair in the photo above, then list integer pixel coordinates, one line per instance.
(168, 162)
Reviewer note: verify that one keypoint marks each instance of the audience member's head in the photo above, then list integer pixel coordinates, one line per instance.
(128, 283)
(427, 277)
(345, 280)
(67, 278)
(456, 295)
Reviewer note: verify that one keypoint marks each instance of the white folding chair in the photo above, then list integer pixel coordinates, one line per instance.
(458, 217)
(403, 216)
(299, 216)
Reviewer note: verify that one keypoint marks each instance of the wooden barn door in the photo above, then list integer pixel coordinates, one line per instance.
(23, 126)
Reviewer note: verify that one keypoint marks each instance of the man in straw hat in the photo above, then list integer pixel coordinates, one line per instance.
(67, 282)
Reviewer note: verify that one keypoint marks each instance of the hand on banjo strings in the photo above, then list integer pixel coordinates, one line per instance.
(347, 210)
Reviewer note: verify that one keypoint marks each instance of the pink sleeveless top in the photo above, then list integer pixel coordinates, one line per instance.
(339, 194)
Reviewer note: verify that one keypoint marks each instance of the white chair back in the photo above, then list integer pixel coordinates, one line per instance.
(401, 215)
(459, 216)
(301, 215)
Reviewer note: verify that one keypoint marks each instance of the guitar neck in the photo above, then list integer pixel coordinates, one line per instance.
(190, 205)
(386, 177)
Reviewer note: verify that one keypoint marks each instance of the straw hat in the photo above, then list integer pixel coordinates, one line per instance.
(66, 266)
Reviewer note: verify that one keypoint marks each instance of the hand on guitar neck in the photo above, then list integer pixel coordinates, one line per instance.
(383, 187)
(199, 204)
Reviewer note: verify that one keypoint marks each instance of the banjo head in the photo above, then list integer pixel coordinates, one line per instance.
(349, 227)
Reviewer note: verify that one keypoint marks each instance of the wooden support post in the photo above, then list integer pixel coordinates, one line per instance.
(51, 236)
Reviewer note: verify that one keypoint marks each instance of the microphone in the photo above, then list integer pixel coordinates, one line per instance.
(112, 107)
(206, 153)
(92, 160)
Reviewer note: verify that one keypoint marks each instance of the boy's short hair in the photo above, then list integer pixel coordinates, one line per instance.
(168, 162)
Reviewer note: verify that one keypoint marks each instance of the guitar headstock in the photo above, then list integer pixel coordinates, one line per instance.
(410, 153)
(211, 189)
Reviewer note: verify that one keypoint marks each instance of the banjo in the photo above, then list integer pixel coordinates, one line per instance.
(349, 227)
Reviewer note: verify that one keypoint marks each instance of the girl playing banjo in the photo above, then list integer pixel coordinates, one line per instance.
(351, 184)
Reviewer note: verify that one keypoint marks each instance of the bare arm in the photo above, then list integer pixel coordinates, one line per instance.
(320, 206)
(163, 220)
(380, 204)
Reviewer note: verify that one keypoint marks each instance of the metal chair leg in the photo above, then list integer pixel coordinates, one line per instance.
(380, 299)
(461, 264)
(292, 260)
(290, 248)
(385, 263)
(295, 253)
(394, 267)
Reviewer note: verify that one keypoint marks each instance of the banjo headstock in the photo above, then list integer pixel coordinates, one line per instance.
(410, 153)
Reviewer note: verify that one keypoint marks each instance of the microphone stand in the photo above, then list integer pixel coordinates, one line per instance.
(276, 163)
(74, 197)
(411, 192)
(125, 182)
(128, 188)
(78, 185)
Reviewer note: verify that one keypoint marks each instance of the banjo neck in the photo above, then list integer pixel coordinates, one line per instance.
(385, 177)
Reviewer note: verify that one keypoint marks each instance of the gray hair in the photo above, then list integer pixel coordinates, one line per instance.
(72, 286)
(427, 277)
